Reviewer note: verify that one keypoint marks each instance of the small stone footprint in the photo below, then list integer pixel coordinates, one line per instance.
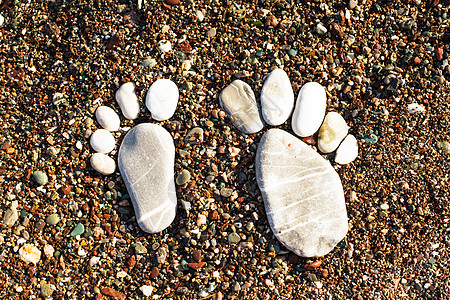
(146, 155)
(302, 192)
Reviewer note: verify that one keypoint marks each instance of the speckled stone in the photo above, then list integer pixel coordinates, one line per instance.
(332, 132)
(302, 193)
(146, 162)
(238, 100)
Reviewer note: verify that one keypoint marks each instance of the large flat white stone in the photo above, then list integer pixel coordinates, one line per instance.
(146, 162)
(302, 194)
(277, 98)
(238, 100)
(309, 109)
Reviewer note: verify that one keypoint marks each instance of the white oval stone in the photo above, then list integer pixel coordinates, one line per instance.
(347, 150)
(107, 118)
(332, 132)
(162, 99)
(309, 109)
(302, 193)
(103, 163)
(30, 254)
(238, 100)
(277, 98)
(102, 141)
(146, 162)
(127, 100)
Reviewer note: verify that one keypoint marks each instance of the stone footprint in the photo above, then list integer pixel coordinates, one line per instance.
(147, 153)
(302, 192)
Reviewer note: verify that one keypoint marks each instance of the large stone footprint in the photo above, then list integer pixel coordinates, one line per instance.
(146, 156)
(302, 192)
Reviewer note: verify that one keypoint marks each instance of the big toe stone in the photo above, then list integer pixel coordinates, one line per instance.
(146, 162)
(239, 101)
(302, 194)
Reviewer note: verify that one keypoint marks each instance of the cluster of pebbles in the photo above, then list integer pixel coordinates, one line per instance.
(67, 231)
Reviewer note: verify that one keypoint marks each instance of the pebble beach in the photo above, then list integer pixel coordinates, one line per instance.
(68, 228)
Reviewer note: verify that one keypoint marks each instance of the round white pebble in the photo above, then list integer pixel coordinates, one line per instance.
(162, 99)
(147, 290)
(127, 100)
(103, 163)
(107, 118)
(347, 150)
(102, 141)
(30, 254)
(309, 109)
(165, 46)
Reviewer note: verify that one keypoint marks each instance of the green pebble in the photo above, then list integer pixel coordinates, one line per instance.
(292, 52)
(252, 59)
(184, 177)
(40, 177)
(259, 53)
(444, 16)
(234, 238)
(79, 229)
(52, 219)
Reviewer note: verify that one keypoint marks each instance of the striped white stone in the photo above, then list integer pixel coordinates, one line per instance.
(302, 194)
(277, 98)
(146, 162)
(238, 100)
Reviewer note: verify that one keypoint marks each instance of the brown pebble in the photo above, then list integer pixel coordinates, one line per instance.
(218, 296)
(221, 149)
(222, 114)
(132, 261)
(310, 140)
(66, 190)
(271, 21)
(314, 265)
(172, 2)
(325, 273)
(196, 266)
(154, 273)
(379, 157)
(213, 215)
(112, 293)
(197, 254)
(336, 30)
